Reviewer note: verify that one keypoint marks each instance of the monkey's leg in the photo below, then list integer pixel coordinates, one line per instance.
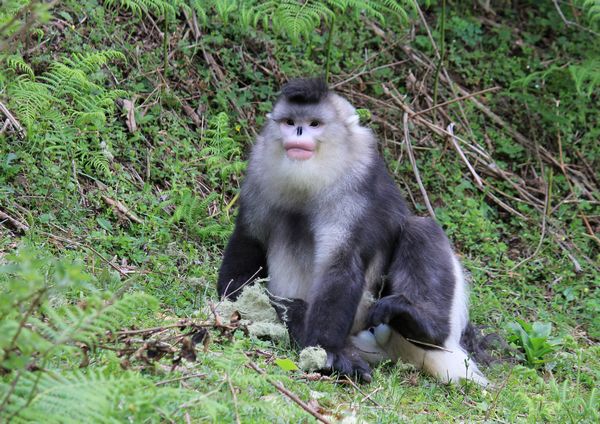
(427, 304)
(332, 306)
(292, 312)
(427, 294)
(244, 260)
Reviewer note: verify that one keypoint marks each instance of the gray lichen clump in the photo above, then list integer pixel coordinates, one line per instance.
(261, 319)
(313, 359)
(256, 312)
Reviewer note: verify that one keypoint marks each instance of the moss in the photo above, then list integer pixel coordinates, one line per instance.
(256, 312)
(313, 359)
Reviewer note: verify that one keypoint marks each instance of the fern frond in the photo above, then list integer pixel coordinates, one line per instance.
(91, 62)
(18, 65)
(298, 20)
(72, 323)
(141, 8)
(592, 10)
(31, 99)
(225, 8)
(586, 76)
(90, 396)
(97, 396)
(63, 79)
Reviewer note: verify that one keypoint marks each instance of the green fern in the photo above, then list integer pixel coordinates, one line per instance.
(140, 8)
(72, 323)
(222, 8)
(592, 10)
(65, 107)
(193, 212)
(30, 99)
(92, 396)
(91, 62)
(222, 154)
(295, 19)
(17, 64)
(68, 397)
(586, 76)
(298, 20)
(36, 333)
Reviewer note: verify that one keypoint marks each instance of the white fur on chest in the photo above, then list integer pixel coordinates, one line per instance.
(295, 266)
(291, 275)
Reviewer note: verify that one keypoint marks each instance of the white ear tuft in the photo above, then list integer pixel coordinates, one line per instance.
(352, 120)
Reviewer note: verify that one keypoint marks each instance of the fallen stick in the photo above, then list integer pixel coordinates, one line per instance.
(17, 224)
(413, 162)
(122, 208)
(13, 121)
(289, 394)
(458, 99)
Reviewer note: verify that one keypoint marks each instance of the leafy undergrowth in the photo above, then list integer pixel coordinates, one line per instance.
(119, 191)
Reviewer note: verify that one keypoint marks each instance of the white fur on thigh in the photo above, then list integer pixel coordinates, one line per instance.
(450, 365)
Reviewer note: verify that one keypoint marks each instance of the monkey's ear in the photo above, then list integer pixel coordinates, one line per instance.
(352, 120)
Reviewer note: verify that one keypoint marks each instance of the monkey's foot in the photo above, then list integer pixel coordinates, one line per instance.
(348, 362)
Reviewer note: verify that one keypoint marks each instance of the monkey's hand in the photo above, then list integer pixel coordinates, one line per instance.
(389, 310)
(348, 362)
(418, 323)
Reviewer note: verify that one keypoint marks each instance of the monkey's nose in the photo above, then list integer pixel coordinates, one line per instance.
(299, 131)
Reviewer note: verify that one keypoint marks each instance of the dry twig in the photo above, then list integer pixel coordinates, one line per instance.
(122, 208)
(413, 162)
(235, 402)
(12, 121)
(14, 222)
(292, 396)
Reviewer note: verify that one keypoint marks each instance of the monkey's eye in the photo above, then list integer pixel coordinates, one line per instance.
(290, 122)
(315, 123)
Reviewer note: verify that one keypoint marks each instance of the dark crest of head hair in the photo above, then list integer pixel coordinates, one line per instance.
(305, 90)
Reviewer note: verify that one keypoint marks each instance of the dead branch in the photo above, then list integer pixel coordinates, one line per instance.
(458, 99)
(280, 387)
(122, 208)
(413, 163)
(476, 177)
(14, 222)
(185, 377)
(12, 121)
(366, 396)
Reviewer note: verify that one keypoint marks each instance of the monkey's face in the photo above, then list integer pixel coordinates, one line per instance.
(306, 147)
(306, 131)
(299, 137)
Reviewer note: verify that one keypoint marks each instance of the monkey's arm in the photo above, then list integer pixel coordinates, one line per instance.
(243, 261)
(332, 307)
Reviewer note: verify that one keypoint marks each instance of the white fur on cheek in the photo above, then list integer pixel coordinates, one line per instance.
(342, 152)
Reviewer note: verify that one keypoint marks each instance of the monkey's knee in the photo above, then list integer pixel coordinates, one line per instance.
(409, 320)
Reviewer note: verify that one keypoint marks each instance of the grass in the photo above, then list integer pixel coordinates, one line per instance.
(180, 172)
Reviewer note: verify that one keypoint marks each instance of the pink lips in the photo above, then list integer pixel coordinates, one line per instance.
(299, 150)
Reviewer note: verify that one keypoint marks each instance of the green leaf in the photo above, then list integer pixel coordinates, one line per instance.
(541, 329)
(286, 364)
(104, 223)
